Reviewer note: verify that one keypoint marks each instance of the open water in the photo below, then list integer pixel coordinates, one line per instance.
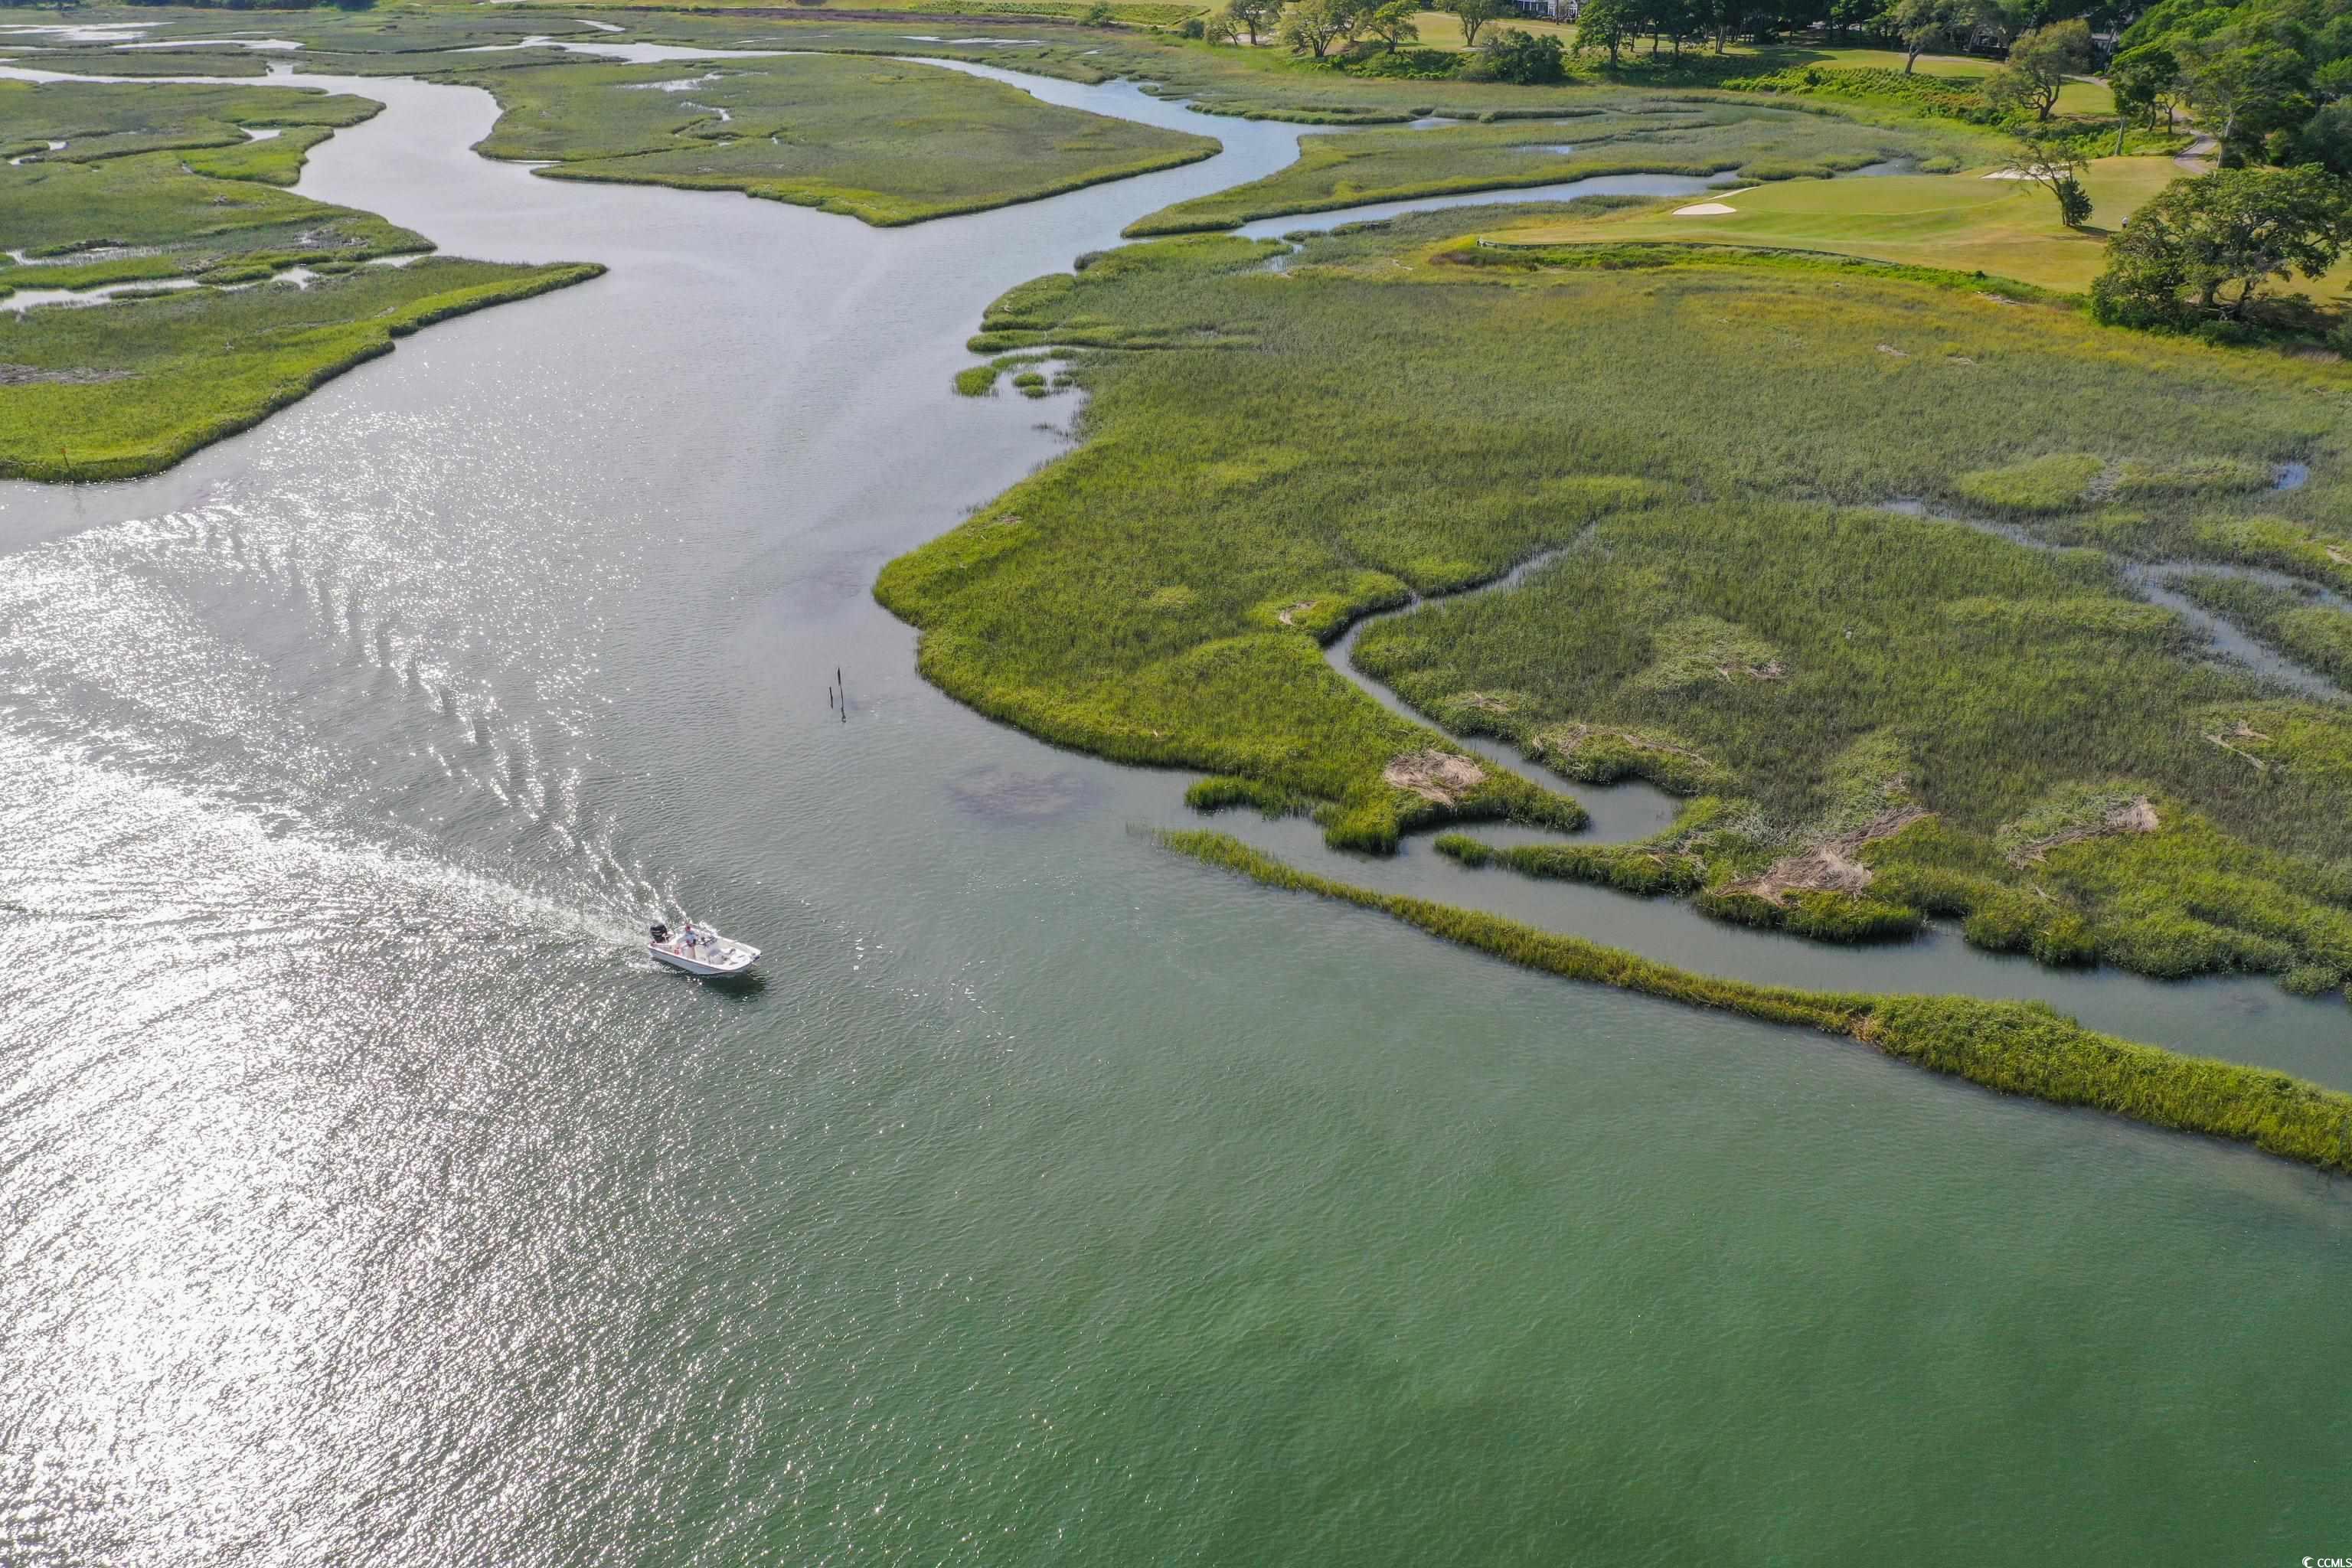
(369, 1198)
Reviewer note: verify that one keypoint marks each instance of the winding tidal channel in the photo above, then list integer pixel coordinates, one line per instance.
(369, 1198)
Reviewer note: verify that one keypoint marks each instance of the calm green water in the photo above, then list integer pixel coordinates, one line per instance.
(369, 1199)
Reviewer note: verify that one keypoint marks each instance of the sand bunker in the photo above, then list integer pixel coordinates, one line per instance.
(1705, 209)
(1440, 777)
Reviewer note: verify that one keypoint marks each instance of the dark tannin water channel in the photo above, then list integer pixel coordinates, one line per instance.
(370, 1199)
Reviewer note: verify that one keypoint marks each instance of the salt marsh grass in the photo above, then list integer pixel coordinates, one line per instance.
(161, 182)
(2012, 1047)
(129, 387)
(1712, 440)
(886, 141)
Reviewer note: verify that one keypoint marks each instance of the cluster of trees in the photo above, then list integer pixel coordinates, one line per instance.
(1318, 28)
(1315, 28)
(1914, 25)
(2271, 78)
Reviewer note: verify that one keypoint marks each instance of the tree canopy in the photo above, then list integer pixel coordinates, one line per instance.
(2040, 61)
(1473, 15)
(2173, 262)
(2256, 75)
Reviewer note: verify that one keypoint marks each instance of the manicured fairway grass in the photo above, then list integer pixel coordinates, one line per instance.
(1272, 453)
(1964, 223)
(886, 141)
(1602, 131)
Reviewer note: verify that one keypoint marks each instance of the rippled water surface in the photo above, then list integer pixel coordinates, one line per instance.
(368, 1197)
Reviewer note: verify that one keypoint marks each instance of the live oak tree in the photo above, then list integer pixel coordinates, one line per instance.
(2245, 92)
(1312, 27)
(2059, 174)
(1604, 24)
(1919, 23)
(1516, 55)
(1391, 23)
(2326, 139)
(2266, 77)
(1253, 16)
(2039, 64)
(1473, 15)
(2173, 261)
(1671, 21)
(2145, 79)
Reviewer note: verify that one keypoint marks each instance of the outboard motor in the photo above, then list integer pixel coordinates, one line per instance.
(661, 933)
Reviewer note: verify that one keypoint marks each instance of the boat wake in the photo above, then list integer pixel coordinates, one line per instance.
(185, 756)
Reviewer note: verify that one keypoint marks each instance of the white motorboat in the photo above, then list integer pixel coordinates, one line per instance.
(698, 950)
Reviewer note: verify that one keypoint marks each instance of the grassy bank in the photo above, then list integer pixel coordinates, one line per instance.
(2012, 1047)
(1270, 454)
(1607, 131)
(127, 388)
(887, 142)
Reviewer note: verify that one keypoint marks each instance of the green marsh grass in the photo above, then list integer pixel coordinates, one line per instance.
(1711, 439)
(98, 121)
(886, 141)
(129, 387)
(2012, 1047)
(158, 182)
(161, 181)
(2318, 636)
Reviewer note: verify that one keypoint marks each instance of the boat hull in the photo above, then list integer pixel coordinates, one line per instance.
(734, 958)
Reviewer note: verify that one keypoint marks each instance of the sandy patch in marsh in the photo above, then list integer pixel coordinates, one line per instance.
(1829, 867)
(1441, 778)
(2135, 816)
